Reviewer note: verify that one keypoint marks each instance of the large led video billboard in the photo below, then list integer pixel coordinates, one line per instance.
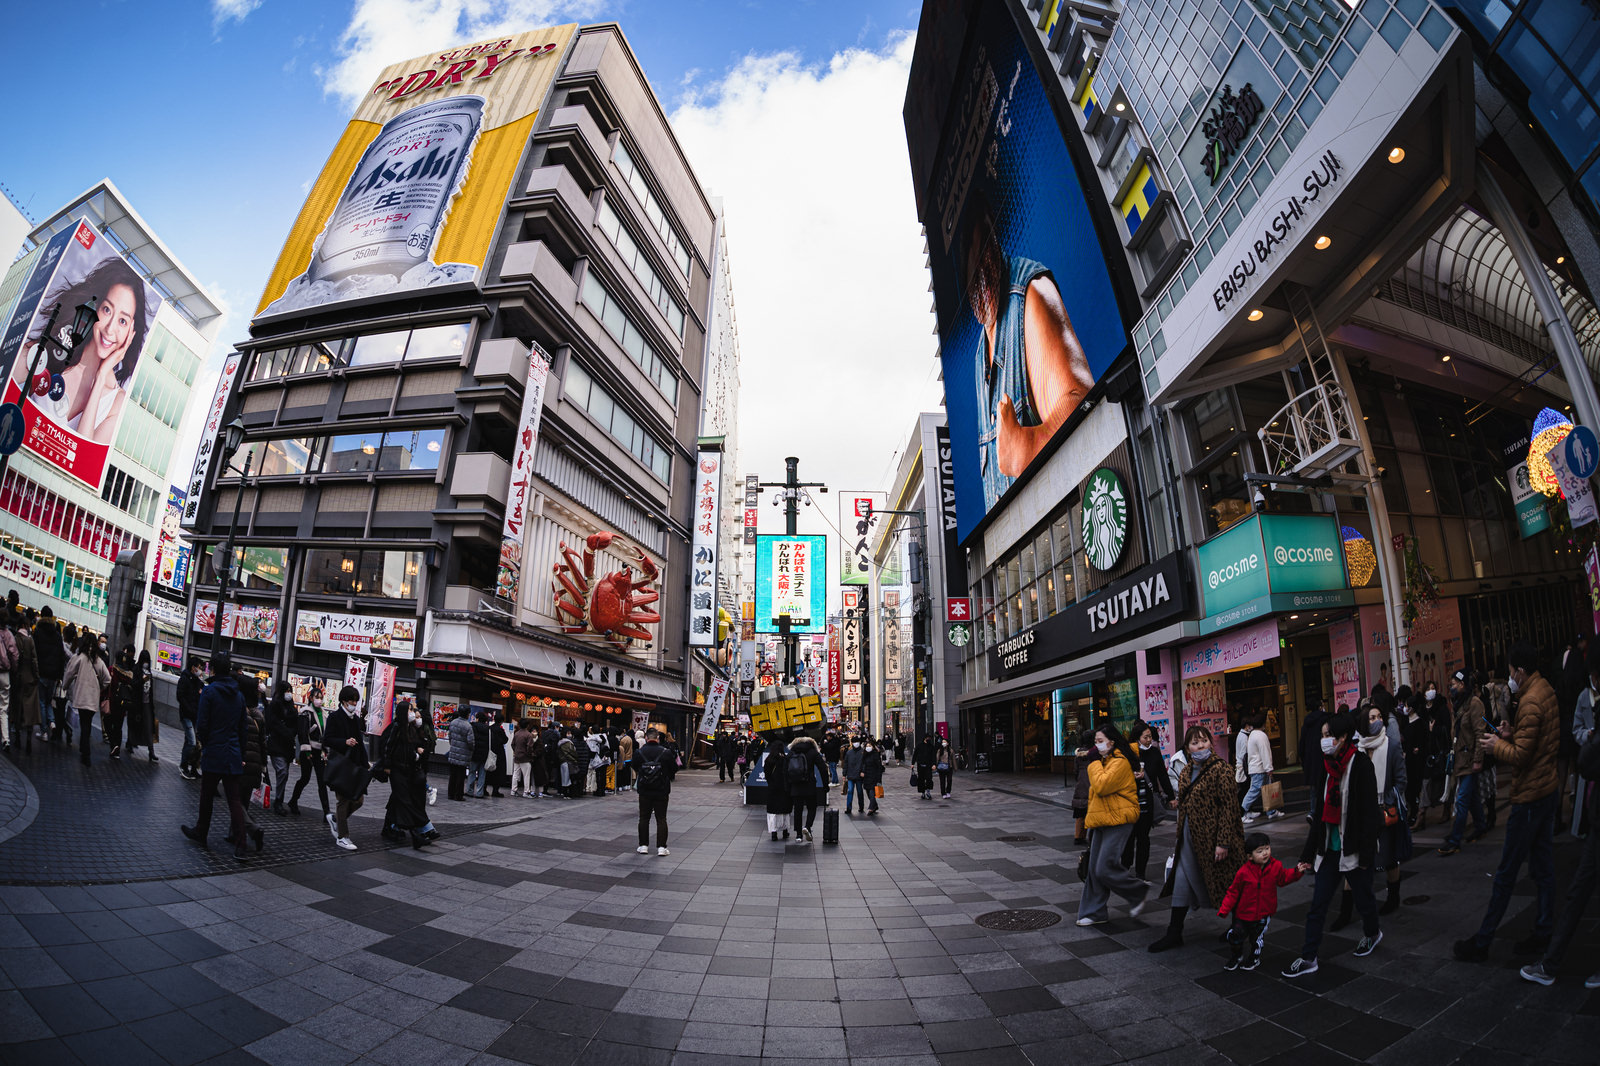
(1026, 314)
(792, 579)
(413, 193)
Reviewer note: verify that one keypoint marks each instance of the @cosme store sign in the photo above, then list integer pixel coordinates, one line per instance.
(1271, 563)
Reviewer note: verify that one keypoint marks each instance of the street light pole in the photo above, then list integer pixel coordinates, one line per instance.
(233, 436)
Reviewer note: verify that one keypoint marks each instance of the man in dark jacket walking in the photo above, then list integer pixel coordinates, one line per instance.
(1531, 749)
(460, 753)
(283, 727)
(220, 723)
(654, 767)
(189, 689)
(52, 667)
(922, 757)
(477, 777)
(1343, 843)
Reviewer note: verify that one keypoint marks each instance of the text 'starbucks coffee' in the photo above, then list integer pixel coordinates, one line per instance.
(391, 209)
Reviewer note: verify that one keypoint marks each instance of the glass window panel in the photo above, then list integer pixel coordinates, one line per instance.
(411, 449)
(438, 342)
(353, 452)
(615, 321)
(377, 348)
(601, 407)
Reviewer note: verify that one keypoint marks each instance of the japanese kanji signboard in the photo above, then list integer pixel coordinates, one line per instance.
(858, 524)
(703, 571)
(509, 580)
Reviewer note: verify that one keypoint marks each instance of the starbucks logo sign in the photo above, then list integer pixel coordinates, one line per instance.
(1105, 518)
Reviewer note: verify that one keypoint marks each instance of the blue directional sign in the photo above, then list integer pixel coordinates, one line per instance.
(11, 428)
(1583, 451)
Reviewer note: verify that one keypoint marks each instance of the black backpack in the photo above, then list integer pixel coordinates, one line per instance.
(797, 769)
(652, 772)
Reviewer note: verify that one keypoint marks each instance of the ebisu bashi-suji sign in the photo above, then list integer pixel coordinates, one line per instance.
(1269, 563)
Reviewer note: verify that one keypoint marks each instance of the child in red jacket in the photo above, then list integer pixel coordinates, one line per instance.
(1252, 900)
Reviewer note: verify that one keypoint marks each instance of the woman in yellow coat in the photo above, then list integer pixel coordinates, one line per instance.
(1113, 810)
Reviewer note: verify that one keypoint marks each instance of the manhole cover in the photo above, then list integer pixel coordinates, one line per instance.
(1415, 901)
(1020, 839)
(1018, 921)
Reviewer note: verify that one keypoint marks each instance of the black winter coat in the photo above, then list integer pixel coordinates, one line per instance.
(282, 726)
(254, 750)
(1363, 822)
(189, 689)
(52, 654)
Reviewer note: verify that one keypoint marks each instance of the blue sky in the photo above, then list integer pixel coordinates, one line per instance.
(212, 127)
(214, 116)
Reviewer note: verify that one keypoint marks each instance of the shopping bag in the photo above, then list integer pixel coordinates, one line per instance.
(878, 791)
(1272, 796)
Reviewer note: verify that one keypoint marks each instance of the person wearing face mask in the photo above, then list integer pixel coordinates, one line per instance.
(1530, 749)
(1394, 839)
(854, 759)
(872, 766)
(1466, 763)
(1343, 842)
(406, 757)
(1416, 735)
(1436, 712)
(343, 740)
(1113, 809)
(1210, 843)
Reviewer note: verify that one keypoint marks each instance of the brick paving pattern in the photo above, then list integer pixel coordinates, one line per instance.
(550, 941)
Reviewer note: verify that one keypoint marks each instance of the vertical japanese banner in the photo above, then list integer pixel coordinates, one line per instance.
(380, 705)
(752, 489)
(509, 580)
(849, 637)
(714, 697)
(209, 433)
(703, 574)
(858, 524)
(356, 670)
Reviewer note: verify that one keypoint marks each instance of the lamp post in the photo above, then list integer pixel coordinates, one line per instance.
(232, 437)
(83, 319)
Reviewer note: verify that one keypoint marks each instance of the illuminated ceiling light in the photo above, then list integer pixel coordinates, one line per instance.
(1549, 430)
(347, 565)
(1322, 242)
(1255, 314)
(369, 449)
(1560, 259)
(1121, 106)
(1292, 617)
(1396, 154)
(1359, 557)
(1444, 357)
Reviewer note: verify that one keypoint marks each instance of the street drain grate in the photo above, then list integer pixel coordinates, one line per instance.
(1019, 839)
(1416, 901)
(1018, 921)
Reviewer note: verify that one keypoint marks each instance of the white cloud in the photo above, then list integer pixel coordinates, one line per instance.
(386, 31)
(225, 11)
(835, 333)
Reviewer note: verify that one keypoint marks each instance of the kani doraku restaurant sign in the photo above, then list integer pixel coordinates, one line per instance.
(1150, 595)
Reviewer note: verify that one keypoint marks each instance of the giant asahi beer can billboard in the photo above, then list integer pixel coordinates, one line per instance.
(412, 196)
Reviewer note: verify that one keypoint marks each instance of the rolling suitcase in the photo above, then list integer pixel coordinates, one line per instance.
(830, 826)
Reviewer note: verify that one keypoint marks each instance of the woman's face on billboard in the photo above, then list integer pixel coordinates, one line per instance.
(114, 326)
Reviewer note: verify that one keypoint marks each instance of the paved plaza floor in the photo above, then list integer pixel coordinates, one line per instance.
(534, 933)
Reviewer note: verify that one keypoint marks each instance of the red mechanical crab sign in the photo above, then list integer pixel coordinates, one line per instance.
(612, 605)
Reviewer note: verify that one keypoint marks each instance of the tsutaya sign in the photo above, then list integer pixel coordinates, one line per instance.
(1150, 595)
(1270, 563)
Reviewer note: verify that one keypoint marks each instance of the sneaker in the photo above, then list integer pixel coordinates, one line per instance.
(643, 849)
(1469, 950)
(1450, 849)
(1091, 921)
(433, 795)
(1537, 973)
(1272, 816)
(188, 774)
(1138, 908)
(1250, 964)
(1251, 817)
(333, 827)
(1369, 944)
(1593, 981)
(808, 836)
(1231, 964)
(1301, 968)
(346, 843)
(663, 851)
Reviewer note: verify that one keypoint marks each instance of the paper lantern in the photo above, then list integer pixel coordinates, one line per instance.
(1359, 558)
(1549, 430)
